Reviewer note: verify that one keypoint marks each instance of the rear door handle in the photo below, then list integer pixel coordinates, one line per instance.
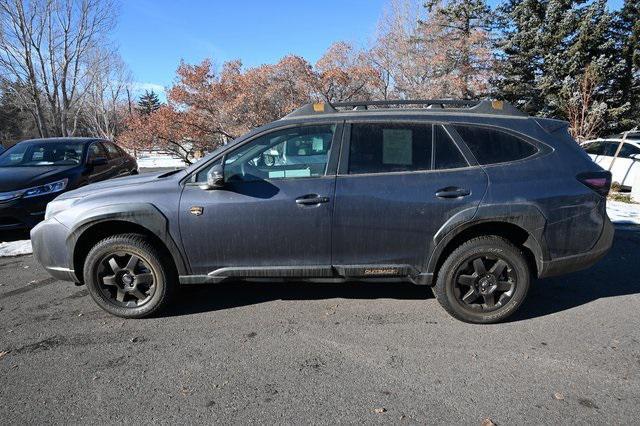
(452, 192)
(311, 199)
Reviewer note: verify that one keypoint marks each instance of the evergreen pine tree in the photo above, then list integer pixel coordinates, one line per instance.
(626, 34)
(555, 38)
(519, 54)
(148, 103)
(546, 49)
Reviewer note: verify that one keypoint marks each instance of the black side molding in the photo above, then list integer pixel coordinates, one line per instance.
(319, 273)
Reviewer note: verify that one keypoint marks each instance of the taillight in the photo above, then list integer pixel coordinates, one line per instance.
(600, 182)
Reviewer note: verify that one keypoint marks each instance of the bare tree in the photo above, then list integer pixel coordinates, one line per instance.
(105, 104)
(46, 46)
(584, 112)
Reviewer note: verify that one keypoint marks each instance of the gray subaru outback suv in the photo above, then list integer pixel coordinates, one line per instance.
(472, 199)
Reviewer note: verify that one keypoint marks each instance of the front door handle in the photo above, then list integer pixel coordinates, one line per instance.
(452, 192)
(311, 199)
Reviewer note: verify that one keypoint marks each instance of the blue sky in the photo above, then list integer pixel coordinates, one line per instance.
(154, 35)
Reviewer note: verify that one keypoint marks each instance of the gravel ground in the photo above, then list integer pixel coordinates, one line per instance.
(309, 353)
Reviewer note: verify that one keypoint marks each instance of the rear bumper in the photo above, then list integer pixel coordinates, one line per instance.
(564, 265)
(49, 241)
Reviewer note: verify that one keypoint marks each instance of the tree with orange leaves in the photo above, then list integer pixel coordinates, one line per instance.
(345, 74)
(206, 109)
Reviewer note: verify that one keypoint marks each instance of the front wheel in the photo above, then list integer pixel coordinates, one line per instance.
(483, 281)
(128, 276)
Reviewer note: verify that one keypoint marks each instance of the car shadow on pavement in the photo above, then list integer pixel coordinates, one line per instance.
(612, 276)
(232, 294)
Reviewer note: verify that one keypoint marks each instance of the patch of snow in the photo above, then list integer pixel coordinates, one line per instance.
(15, 248)
(155, 161)
(623, 213)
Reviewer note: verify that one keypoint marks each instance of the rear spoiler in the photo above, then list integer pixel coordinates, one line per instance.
(551, 125)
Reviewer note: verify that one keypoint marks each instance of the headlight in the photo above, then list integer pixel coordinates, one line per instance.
(56, 206)
(49, 188)
(8, 196)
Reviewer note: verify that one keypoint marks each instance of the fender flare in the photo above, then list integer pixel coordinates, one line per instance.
(526, 216)
(145, 215)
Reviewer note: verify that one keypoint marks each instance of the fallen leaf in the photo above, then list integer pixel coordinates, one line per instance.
(558, 396)
(487, 422)
(3, 353)
(379, 410)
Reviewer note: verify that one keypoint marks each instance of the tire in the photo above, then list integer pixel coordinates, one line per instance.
(470, 295)
(124, 286)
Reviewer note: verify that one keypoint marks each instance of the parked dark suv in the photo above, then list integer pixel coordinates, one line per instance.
(472, 199)
(34, 172)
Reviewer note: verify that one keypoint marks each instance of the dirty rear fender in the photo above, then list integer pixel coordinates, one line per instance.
(524, 215)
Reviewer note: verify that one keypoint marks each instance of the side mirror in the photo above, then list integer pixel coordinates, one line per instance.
(98, 161)
(215, 178)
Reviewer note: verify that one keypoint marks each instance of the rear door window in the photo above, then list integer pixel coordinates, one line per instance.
(390, 147)
(96, 151)
(628, 150)
(610, 148)
(492, 146)
(112, 150)
(595, 148)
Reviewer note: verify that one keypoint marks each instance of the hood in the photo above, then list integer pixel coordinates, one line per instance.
(127, 181)
(14, 178)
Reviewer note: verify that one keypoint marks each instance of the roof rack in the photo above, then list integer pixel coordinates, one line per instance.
(493, 107)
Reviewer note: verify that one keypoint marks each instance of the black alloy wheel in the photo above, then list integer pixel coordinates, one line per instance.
(485, 283)
(126, 279)
(484, 280)
(128, 276)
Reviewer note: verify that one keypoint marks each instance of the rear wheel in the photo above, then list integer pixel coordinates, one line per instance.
(483, 281)
(127, 276)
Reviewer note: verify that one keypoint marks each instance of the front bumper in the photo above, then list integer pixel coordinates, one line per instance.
(23, 213)
(565, 265)
(49, 241)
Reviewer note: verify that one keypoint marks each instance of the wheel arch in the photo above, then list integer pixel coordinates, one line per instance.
(530, 244)
(147, 221)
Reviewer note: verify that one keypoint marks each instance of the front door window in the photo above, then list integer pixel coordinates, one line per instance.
(292, 153)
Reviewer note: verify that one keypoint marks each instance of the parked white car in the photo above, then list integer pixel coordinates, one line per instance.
(625, 167)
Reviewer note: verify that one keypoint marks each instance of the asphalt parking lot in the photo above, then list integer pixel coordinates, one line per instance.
(293, 353)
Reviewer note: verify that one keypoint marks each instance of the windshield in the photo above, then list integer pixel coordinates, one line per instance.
(34, 154)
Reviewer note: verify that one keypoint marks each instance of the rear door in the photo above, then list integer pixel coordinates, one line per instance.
(117, 165)
(99, 172)
(398, 183)
(625, 166)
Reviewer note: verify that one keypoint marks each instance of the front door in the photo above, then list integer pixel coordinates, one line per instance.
(398, 184)
(274, 210)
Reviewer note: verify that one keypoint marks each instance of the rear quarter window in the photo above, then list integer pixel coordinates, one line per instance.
(492, 146)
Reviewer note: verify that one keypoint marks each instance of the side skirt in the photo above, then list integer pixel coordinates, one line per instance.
(316, 274)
